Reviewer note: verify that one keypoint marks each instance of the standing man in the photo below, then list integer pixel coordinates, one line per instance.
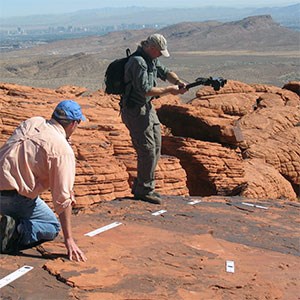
(35, 158)
(138, 114)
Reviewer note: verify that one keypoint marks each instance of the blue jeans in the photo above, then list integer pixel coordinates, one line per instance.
(37, 223)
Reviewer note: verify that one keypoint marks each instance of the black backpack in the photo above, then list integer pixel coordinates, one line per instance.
(114, 75)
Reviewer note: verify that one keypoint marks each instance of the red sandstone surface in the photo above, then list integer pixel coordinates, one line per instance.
(179, 255)
(240, 144)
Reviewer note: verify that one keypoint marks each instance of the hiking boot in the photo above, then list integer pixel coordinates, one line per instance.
(156, 194)
(151, 198)
(8, 234)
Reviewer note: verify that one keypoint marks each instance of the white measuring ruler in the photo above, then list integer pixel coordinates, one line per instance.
(157, 213)
(194, 202)
(254, 205)
(14, 275)
(102, 229)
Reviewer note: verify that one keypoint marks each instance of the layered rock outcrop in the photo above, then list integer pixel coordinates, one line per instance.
(106, 162)
(259, 122)
(242, 140)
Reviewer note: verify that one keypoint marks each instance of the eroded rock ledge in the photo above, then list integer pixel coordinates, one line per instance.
(243, 140)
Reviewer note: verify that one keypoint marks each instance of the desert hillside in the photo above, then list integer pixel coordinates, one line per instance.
(253, 50)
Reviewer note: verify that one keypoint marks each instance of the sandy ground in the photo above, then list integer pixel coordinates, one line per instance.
(180, 254)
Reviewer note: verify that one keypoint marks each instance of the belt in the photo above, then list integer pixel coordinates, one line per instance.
(8, 192)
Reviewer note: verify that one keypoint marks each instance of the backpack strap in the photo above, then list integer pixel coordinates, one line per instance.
(129, 103)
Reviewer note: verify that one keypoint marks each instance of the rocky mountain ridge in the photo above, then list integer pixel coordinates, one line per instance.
(262, 31)
(287, 16)
(252, 50)
(256, 33)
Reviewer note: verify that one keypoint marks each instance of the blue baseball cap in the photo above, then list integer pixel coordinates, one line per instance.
(69, 110)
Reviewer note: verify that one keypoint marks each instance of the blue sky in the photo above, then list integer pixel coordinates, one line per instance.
(10, 8)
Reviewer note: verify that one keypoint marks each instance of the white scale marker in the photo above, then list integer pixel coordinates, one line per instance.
(230, 266)
(157, 213)
(194, 202)
(254, 205)
(14, 275)
(102, 229)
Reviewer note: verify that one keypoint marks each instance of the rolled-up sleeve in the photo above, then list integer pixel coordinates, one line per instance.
(162, 71)
(61, 179)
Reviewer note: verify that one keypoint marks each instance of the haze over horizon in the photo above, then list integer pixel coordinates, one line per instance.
(36, 7)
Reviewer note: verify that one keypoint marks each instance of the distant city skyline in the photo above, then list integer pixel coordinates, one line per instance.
(12, 8)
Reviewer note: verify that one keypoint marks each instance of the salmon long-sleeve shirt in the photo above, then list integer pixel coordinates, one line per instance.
(37, 157)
